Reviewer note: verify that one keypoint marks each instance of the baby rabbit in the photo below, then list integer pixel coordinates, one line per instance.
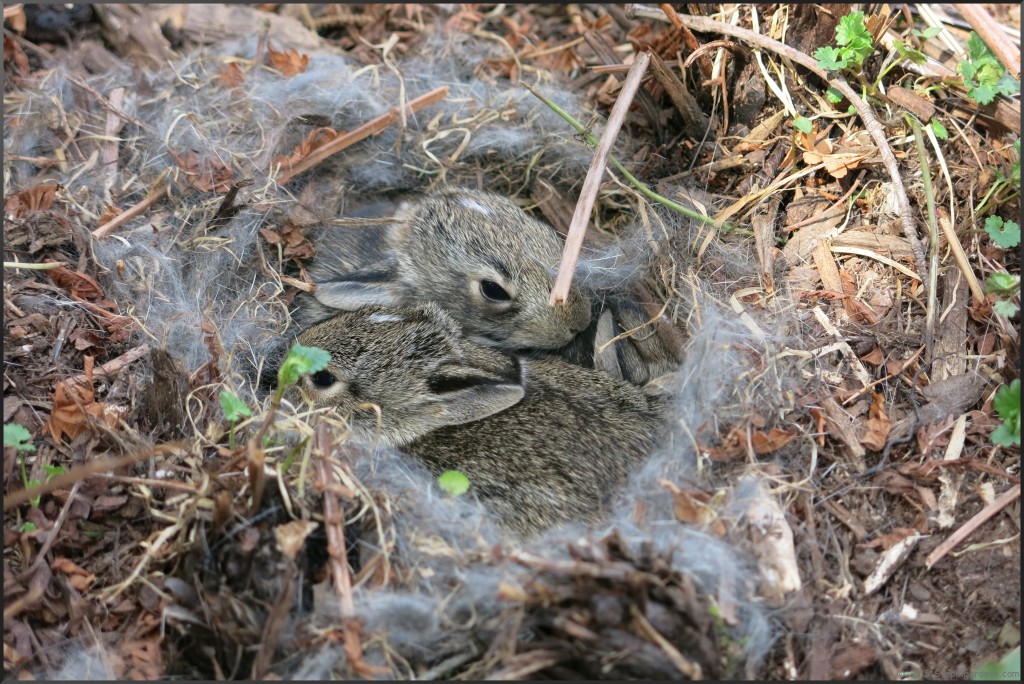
(541, 441)
(481, 257)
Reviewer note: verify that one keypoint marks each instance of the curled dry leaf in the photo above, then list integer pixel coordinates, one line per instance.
(317, 138)
(288, 62)
(878, 424)
(232, 76)
(79, 578)
(291, 238)
(209, 175)
(37, 198)
(13, 54)
(690, 507)
(74, 404)
(78, 285)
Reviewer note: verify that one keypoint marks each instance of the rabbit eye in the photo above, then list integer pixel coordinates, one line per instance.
(323, 379)
(493, 291)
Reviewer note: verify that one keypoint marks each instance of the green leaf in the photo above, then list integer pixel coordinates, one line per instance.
(28, 526)
(234, 408)
(1015, 169)
(850, 28)
(301, 361)
(1003, 284)
(453, 482)
(834, 96)
(1005, 308)
(52, 471)
(928, 33)
(1007, 85)
(829, 58)
(939, 130)
(976, 48)
(1006, 669)
(1007, 406)
(1006, 234)
(982, 94)
(802, 124)
(911, 53)
(18, 437)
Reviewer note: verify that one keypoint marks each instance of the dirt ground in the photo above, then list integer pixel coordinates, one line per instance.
(881, 453)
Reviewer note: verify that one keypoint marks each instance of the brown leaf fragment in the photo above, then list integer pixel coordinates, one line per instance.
(688, 507)
(78, 285)
(79, 577)
(205, 175)
(13, 54)
(767, 442)
(232, 76)
(850, 660)
(316, 138)
(878, 424)
(37, 198)
(292, 239)
(74, 403)
(288, 62)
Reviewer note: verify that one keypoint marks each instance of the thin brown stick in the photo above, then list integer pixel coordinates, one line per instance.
(592, 183)
(1001, 502)
(871, 123)
(953, 240)
(84, 471)
(113, 366)
(365, 131)
(127, 215)
(993, 36)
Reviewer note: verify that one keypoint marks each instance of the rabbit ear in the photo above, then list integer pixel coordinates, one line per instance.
(464, 394)
(365, 287)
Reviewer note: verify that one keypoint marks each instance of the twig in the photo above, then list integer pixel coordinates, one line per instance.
(961, 257)
(113, 366)
(84, 471)
(34, 266)
(643, 189)
(152, 198)
(989, 31)
(365, 131)
(933, 241)
(686, 667)
(871, 123)
(1001, 502)
(581, 217)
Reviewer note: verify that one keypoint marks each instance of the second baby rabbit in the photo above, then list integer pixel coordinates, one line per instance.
(478, 255)
(541, 441)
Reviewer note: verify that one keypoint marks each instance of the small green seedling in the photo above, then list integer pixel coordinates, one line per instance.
(1006, 669)
(1005, 287)
(18, 437)
(1006, 234)
(802, 124)
(301, 361)
(984, 77)
(453, 482)
(1007, 406)
(854, 41)
(939, 130)
(234, 410)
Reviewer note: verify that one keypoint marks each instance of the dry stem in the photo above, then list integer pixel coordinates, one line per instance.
(581, 217)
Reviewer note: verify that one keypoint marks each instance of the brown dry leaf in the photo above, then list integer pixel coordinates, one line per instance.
(38, 198)
(79, 578)
(289, 62)
(878, 424)
(73, 405)
(317, 138)
(232, 76)
(206, 176)
(110, 212)
(78, 285)
(874, 357)
(291, 536)
(13, 54)
(291, 238)
(767, 442)
(690, 507)
(733, 446)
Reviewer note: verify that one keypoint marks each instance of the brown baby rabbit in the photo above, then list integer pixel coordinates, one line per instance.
(478, 255)
(541, 441)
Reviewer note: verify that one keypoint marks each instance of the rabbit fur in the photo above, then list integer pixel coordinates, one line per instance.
(542, 441)
(478, 255)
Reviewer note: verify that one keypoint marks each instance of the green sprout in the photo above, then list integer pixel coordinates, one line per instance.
(234, 410)
(854, 41)
(984, 77)
(1005, 287)
(453, 482)
(1007, 406)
